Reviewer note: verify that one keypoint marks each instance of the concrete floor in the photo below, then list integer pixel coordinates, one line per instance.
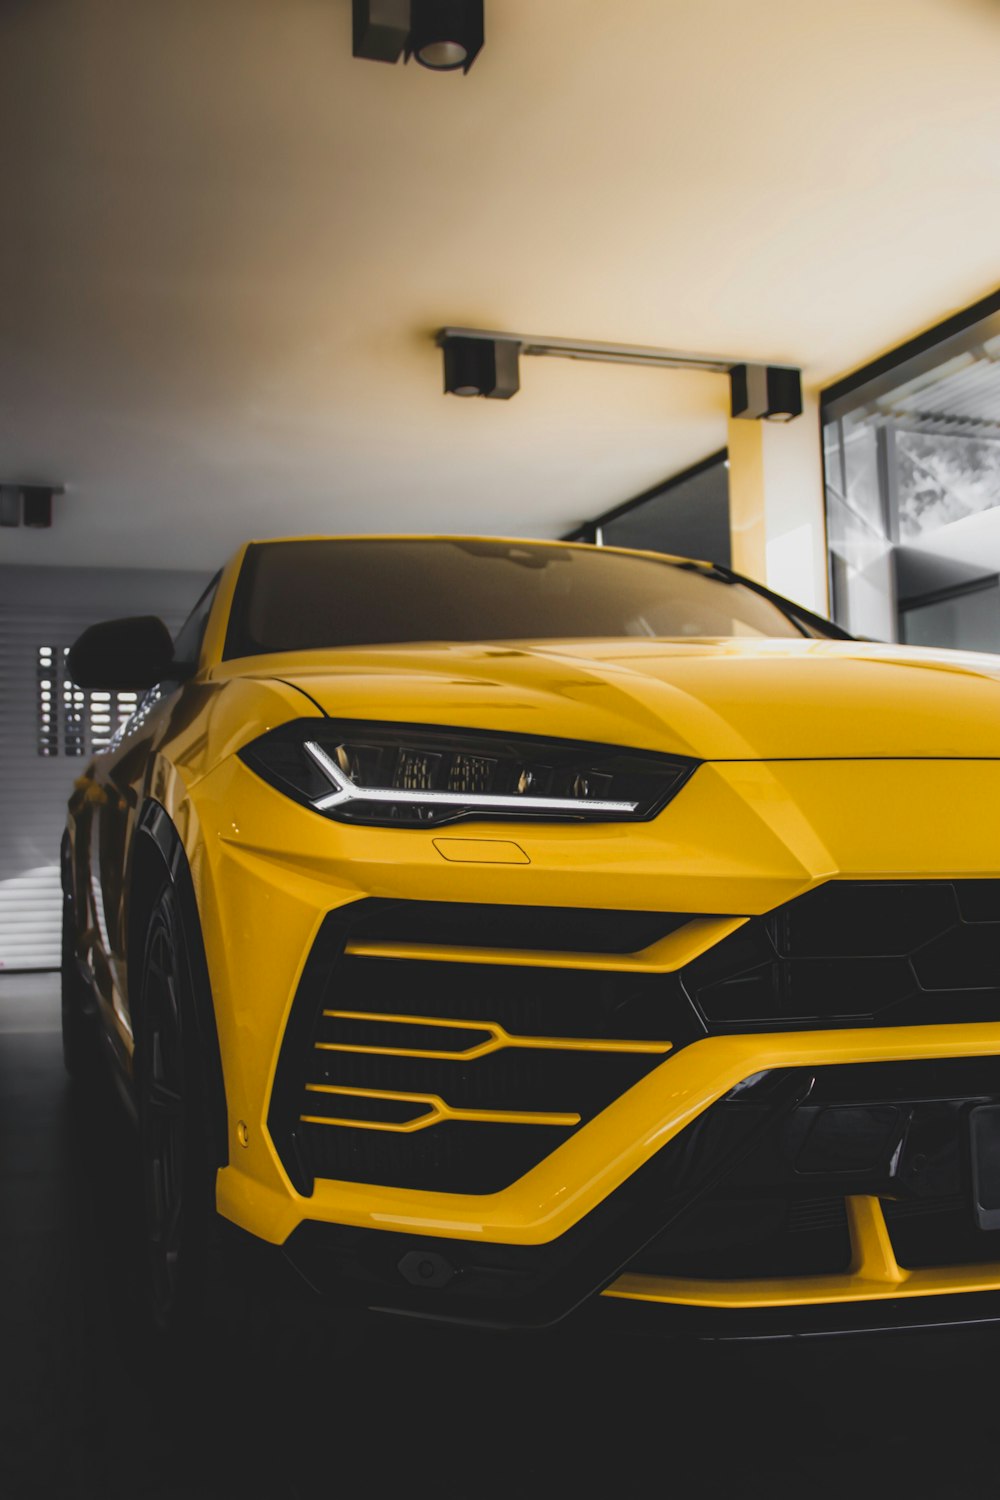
(275, 1406)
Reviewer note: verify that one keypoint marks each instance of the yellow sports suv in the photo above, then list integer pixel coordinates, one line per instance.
(487, 929)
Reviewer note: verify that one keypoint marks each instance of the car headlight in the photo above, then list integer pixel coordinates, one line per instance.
(410, 775)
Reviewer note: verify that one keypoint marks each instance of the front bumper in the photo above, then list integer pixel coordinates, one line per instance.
(741, 838)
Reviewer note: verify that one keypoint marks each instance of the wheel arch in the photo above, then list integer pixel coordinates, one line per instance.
(157, 856)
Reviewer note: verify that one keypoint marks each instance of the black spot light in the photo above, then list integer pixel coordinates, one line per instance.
(446, 34)
(27, 505)
(10, 505)
(443, 35)
(771, 393)
(481, 367)
(37, 502)
(380, 29)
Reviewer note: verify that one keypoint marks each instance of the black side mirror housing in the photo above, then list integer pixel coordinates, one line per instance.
(125, 654)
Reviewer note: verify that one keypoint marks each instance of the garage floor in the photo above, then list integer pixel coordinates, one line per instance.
(279, 1407)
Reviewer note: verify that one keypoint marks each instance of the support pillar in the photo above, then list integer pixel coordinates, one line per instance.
(776, 505)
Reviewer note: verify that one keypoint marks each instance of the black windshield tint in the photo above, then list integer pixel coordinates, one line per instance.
(300, 596)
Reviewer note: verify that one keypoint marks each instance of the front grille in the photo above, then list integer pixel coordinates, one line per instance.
(886, 953)
(460, 1077)
(434, 1073)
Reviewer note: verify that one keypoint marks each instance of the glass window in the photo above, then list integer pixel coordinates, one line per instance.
(911, 451)
(944, 477)
(187, 646)
(969, 618)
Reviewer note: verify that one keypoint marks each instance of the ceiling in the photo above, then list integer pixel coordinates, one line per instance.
(229, 244)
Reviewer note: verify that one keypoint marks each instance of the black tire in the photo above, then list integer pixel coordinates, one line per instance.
(79, 1042)
(178, 1171)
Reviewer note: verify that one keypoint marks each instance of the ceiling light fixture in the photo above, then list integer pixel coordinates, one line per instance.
(380, 29)
(772, 393)
(481, 367)
(483, 362)
(443, 35)
(27, 504)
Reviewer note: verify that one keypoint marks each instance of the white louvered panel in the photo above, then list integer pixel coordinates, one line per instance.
(30, 914)
(34, 789)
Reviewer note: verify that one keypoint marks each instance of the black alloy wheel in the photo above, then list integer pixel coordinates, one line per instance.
(178, 1177)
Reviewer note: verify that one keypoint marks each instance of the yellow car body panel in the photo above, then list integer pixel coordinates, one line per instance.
(264, 878)
(819, 761)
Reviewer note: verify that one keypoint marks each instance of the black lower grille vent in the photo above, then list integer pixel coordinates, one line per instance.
(460, 1077)
(939, 1233)
(859, 952)
(724, 1239)
(763, 1188)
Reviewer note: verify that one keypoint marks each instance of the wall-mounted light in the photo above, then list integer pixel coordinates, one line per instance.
(481, 367)
(772, 393)
(27, 504)
(443, 35)
(484, 362)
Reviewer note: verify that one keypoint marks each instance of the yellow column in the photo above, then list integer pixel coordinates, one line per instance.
(776, 505)
(747, 500)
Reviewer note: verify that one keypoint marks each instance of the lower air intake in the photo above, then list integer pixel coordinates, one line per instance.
(455, 1076)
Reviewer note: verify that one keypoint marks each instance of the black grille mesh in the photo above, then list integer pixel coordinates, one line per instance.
(725, 1238)
(890, 953)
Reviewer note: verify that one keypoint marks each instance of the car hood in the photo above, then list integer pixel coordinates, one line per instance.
(712, 699)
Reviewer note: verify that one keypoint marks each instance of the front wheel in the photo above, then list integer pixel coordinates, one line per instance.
(177, 1169)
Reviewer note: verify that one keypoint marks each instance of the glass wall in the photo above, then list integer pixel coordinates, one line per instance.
(912, 462)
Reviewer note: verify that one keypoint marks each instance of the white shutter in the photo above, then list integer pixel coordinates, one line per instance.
(34, 786)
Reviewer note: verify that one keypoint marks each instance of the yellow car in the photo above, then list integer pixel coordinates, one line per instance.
(486, 929)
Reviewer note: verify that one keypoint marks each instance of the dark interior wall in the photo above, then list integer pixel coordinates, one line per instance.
(106, 591)
(44, 741)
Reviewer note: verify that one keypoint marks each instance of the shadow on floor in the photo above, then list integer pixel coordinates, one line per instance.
(274, 1404)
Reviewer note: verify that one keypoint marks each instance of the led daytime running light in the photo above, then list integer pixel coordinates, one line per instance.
(349, 791)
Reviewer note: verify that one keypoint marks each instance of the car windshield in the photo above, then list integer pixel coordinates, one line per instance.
(306, 595)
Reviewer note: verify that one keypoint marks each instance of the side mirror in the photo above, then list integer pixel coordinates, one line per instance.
(124, 654)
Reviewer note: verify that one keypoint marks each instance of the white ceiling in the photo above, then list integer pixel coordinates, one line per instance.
(226, 243)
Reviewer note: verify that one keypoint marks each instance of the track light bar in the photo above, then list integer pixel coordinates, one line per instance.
(621, 354)
(769, 392)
